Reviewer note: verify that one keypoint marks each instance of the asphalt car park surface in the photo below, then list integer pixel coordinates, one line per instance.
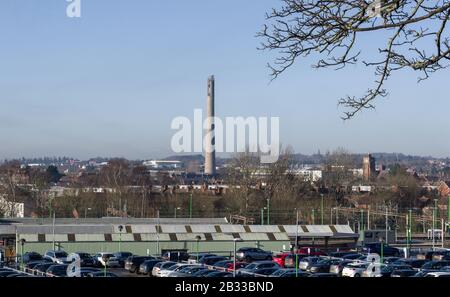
(249, 262)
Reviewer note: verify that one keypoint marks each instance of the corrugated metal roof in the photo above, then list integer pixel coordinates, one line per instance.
(264, 228)
(232, 228)
(173, 228)
(203, 228)
(253, 236)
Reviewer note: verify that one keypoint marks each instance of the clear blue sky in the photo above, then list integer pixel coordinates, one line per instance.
(110, 83)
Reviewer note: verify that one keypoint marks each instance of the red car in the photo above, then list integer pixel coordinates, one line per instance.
(304, 251)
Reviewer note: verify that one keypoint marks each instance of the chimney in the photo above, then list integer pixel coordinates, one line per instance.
(210, 154)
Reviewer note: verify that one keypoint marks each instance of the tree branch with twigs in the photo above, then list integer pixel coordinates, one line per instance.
(329, 31)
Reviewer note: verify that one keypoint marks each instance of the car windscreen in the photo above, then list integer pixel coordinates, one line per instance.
(60, 254)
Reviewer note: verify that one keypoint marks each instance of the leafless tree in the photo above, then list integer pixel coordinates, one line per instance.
(331, 32)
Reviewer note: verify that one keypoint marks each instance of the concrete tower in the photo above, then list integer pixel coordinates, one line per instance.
(210, 154)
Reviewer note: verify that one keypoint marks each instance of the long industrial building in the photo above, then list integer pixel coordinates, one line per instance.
(152, 236)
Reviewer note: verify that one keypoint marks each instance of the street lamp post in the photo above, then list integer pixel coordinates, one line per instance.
(120, 237)
(262, 216)
(268, 211)
(234, 257)
(197, 238)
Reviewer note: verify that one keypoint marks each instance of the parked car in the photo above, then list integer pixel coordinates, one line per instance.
(323, 274)
(196, 258)
(239, 265)
(147, 266)
(161, 265)
(311, 251)
(341, 254)
(174, 268)
(59, 257)
(390, 260)
(133, 262)
(280, 272)
(84, 271)
(354, 269)
(86, 260)
(257, 266)
(267, 271)
(403, 273)
(339, 266)
(102, 258)
(101, 274)
(291, 260)
(305, 263)
(7, 273)
(187, 271)
(438, 274)
(322, 266)
(296, 274)
(211, 260)
(58, 270)
(203, 272)
(376, 247)
(31, 256)
(386, 271)
(252, 254)
(352, 256)
(414, 263)
(223, 265)
(219, 274)
(434, 265)
(176, 256)
(41, 269)
(118, 259)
